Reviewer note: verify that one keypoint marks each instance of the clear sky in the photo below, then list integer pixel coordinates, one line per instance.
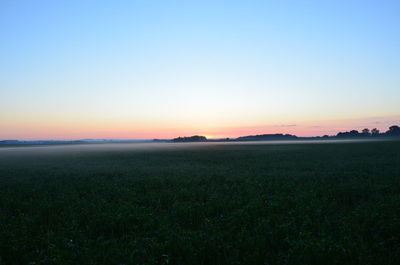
(161, 69)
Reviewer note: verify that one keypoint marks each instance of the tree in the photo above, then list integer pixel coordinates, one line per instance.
(354, 133)
(393, 131)
(374, 132)
(366, 132)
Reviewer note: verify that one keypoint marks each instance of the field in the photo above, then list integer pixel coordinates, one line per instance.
(309, 203)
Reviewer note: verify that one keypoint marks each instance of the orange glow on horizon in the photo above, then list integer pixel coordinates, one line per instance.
(85, 129)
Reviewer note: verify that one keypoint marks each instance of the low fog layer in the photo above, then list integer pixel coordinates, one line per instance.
(135, 147)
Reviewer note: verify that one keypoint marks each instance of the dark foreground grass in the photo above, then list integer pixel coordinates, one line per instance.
(213, 204)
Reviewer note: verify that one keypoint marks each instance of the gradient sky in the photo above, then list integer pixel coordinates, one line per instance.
(161, 69)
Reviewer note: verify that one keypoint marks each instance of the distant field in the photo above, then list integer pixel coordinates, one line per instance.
(207, 203)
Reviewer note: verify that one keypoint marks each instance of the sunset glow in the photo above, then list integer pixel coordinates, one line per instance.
(132, 70)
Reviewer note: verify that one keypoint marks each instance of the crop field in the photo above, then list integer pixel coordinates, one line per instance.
(207, 203)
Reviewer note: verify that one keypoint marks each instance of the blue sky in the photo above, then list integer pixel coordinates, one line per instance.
(71, 69)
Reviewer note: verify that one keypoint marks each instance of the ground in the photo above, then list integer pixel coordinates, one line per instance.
(252, 203)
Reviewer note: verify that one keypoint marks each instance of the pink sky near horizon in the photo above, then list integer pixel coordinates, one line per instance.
(86, 130)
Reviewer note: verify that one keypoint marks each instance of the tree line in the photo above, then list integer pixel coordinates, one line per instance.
(393, 131)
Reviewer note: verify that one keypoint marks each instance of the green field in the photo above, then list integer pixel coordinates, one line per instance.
(333, 203)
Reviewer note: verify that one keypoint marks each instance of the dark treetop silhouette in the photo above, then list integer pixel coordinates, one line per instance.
(195, 138)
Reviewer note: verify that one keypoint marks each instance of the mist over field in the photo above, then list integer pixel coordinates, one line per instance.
(156, 145)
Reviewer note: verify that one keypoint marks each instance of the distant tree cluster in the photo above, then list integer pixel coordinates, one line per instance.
(195, 138)
(266, 137)
(394, 131)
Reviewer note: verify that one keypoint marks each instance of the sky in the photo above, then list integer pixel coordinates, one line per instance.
(162, 69)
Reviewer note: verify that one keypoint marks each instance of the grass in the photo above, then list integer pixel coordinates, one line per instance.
(335, 203)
